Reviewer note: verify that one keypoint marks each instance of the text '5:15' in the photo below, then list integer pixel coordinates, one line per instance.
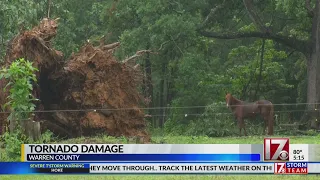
(298, 157)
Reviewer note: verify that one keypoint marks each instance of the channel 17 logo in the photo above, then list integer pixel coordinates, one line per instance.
(276, 149)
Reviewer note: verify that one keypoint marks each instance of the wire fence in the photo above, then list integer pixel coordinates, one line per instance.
(165, 107)
(157, 117)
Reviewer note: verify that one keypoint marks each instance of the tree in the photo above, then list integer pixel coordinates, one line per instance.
(308, 46)
(163, 26)
(16, 16)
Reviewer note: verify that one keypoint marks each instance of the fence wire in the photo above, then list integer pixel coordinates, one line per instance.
(162, 108)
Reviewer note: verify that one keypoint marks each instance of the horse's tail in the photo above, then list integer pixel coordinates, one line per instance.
(270, 120)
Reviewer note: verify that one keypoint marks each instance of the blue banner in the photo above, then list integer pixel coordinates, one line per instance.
(43, 167)
(110, 167)
(145, 157)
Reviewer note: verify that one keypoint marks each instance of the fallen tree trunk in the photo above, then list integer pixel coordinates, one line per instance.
(100, 91)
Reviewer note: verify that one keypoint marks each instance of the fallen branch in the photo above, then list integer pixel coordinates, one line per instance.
(147, 115)
(110, 46)
(136, 66)
(104, 38)
(138, 54)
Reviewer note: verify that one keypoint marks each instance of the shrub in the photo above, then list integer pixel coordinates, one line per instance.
(20, 76)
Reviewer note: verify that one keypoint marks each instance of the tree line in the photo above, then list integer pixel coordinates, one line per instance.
(254, 49)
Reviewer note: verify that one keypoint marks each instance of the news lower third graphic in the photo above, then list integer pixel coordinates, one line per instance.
(137, 152)
(134, 168)
(181, 168)
(165, 152)
(273, 156)
(159, 168)
(144, 157)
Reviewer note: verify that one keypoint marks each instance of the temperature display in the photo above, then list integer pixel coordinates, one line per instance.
(298, 155)
(298, 152)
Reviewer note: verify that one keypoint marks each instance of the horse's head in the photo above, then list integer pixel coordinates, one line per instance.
(228, 99)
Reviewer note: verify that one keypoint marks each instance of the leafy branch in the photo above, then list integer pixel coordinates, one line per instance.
(263, 32)
(20, 76)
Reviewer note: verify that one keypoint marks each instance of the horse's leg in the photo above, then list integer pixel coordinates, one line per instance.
(265, 127)
(265, 124)
(265, 116)
(239, 125)
(244, 127)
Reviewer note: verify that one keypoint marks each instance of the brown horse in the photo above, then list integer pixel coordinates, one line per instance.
(242, 110)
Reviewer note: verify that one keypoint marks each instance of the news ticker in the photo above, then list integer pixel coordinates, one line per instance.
(272, 150)
(160, 168)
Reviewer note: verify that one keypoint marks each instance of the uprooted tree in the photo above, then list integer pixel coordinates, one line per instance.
(101, 91)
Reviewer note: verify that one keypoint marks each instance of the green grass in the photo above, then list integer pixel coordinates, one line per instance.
(174, 140)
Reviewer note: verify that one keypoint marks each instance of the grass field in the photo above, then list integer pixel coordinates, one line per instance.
(175, 140)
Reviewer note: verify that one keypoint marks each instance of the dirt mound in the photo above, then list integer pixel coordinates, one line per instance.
(101, 91)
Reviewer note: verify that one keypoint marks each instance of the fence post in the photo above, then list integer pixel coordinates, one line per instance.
(31, 129)
(12, 125)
